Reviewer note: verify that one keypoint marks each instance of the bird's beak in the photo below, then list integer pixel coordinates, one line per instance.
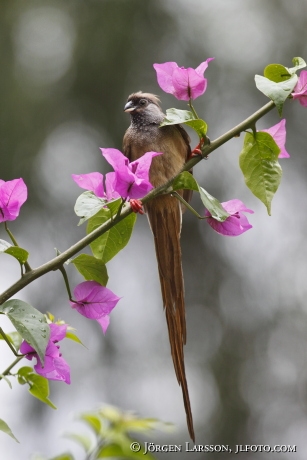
(129, 107)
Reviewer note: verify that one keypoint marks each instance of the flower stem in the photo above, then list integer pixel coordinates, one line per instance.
(120, 208)
(10, 234)
(26, 264)
(193, 110)
(186, 204)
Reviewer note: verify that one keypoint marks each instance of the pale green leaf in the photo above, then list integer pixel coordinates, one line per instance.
(276, 72)
(185, 180)
(213, 205)
(23, 373)
(114, 240)
(83, 440)
(93, 421)
(72, 336)
(124, 450)
(66, 456)
(176, 117)
(30, 323)
(200, 126)
(298, 63)
(39, 388)
(14, 337)
(260, 167)
(277, 92)
(19, 253)
(87, 205)
(6, 429)
(91, 268)
(15, 251)
(4, 377)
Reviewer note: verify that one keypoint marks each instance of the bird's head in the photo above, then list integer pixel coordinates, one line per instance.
(144, 106)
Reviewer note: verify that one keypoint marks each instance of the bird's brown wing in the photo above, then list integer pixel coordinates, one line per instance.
(187, 194)
(127, 141)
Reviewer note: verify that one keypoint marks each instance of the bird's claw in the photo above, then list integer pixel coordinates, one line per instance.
(136, 206)
(198, 149)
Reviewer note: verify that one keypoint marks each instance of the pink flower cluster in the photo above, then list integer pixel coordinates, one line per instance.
(13, 194)
(236, 223)
(300, 90)
(94, 302)
(129, 180)
(184, 84)
(55, 367)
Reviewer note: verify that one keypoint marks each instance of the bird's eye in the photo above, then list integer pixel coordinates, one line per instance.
(143, 102)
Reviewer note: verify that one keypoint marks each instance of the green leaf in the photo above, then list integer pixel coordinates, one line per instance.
(144, 424)
(72, 336)
(87, 205)
(23, 373)
(113, 206)
(83, 440)
(114, 240)
(299, 63)
(123, 451)
(176, 116)
(277, 92)
(63, 457)
(110, 451)
(6, 429)
(200, 126)
(4, 377)
(19, 253)
(39, 388)
(91, 268)
(260, 167)
(39, 385)
(213, 205)
(14, 337)
(112, 414)
(93, 421)
(30, 323)
(276, 72)
(185, 180)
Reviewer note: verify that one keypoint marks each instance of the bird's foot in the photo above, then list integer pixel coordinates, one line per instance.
(136, 206)
(198, 149)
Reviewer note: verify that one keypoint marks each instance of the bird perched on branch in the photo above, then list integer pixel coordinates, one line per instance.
(164, 214)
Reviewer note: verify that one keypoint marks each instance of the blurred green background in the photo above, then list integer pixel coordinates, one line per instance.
(67, 69)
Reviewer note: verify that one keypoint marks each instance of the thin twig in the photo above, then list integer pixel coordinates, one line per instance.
(8, 369)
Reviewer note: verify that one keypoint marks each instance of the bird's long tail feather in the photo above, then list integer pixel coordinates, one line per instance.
(164, 214)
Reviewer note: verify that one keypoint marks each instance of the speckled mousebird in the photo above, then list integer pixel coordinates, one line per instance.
(164, 214)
